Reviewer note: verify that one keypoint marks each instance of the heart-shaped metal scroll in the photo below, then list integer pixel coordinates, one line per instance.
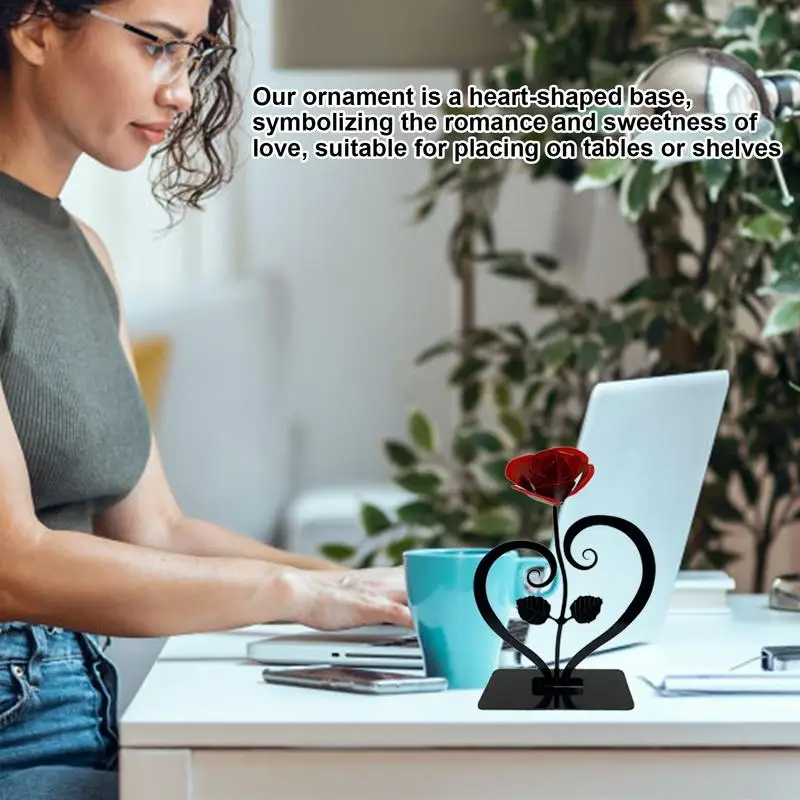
(635, 607)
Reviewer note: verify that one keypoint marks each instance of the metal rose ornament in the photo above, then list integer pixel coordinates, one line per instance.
(551, 477)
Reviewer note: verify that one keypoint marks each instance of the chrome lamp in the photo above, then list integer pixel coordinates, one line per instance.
(720, 83)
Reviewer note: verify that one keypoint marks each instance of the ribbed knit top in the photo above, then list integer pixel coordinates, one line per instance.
(75, 404)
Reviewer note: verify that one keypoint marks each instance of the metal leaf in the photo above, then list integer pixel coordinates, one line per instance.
(585, 608)
(534, 610)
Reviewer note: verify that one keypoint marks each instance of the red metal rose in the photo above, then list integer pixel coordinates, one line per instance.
(550, 476)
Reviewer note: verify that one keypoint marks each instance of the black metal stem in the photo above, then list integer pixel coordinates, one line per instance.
(560, 621)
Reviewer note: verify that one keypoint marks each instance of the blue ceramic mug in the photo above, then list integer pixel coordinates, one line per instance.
(455, 640)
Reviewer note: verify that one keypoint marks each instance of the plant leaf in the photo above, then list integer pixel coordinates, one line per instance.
(740, 17)
(602, 172)
(373, 520)
(367, 560)
(770, 28)
(337, 552)
(786, 270)
(464, 450)
(750, 485)
(468, 370)
(496, 469)
(502, 394)
(692, 309)
(546, 262)
(487, 441)
(634, 192)
(768, 200)
(471, 396)
(513, 424)
(720, 506)
(656, 331)
(763, 228)
(745, 49)
(784, 317)
(395, 549)
(792, 60)
(494, 523)
(613, 334)
(659, 182)
(517, 331)
(514, 270)
(556, 353)
(400, 454)
(421, 431)
(419, 482)
(725, 456)
(589, 354)
(438, 349)
(651, 287)
(514, 369)
(716, 172)
(417, 512)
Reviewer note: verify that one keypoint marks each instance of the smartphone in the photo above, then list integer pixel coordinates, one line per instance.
(352, 679)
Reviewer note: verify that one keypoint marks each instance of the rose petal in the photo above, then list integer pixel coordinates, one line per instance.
(518, 466)
(575, 459)
(574, 451)
(561, 464)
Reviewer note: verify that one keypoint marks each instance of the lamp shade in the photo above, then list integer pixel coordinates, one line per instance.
(387, 34)
(717, 83)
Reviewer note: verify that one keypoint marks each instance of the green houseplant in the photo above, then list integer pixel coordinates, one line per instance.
(704, 301)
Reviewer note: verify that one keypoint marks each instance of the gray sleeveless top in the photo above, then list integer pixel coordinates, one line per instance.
(76, 407)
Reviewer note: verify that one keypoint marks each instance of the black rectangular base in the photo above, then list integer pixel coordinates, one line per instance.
(586, 690)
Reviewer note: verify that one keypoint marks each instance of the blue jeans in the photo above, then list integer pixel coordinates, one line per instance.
(58, 715)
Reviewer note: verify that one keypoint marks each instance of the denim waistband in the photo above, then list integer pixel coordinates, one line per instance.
(64, 701)
(19, 641)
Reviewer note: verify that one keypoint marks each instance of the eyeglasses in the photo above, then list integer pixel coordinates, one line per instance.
(203, 61)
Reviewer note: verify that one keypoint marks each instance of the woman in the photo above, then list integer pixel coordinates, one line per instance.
(112, 80)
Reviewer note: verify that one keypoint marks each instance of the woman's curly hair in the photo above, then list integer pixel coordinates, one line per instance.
(198, 157)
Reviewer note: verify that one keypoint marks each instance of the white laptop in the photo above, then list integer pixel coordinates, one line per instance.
(650, 440)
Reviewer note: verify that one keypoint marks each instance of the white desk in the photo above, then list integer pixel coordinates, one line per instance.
(204, 725)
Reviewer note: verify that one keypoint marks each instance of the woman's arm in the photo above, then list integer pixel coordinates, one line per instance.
(82, 582)
(201, 538)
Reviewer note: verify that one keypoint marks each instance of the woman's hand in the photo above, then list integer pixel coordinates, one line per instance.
(389, 581)
(334, 600)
